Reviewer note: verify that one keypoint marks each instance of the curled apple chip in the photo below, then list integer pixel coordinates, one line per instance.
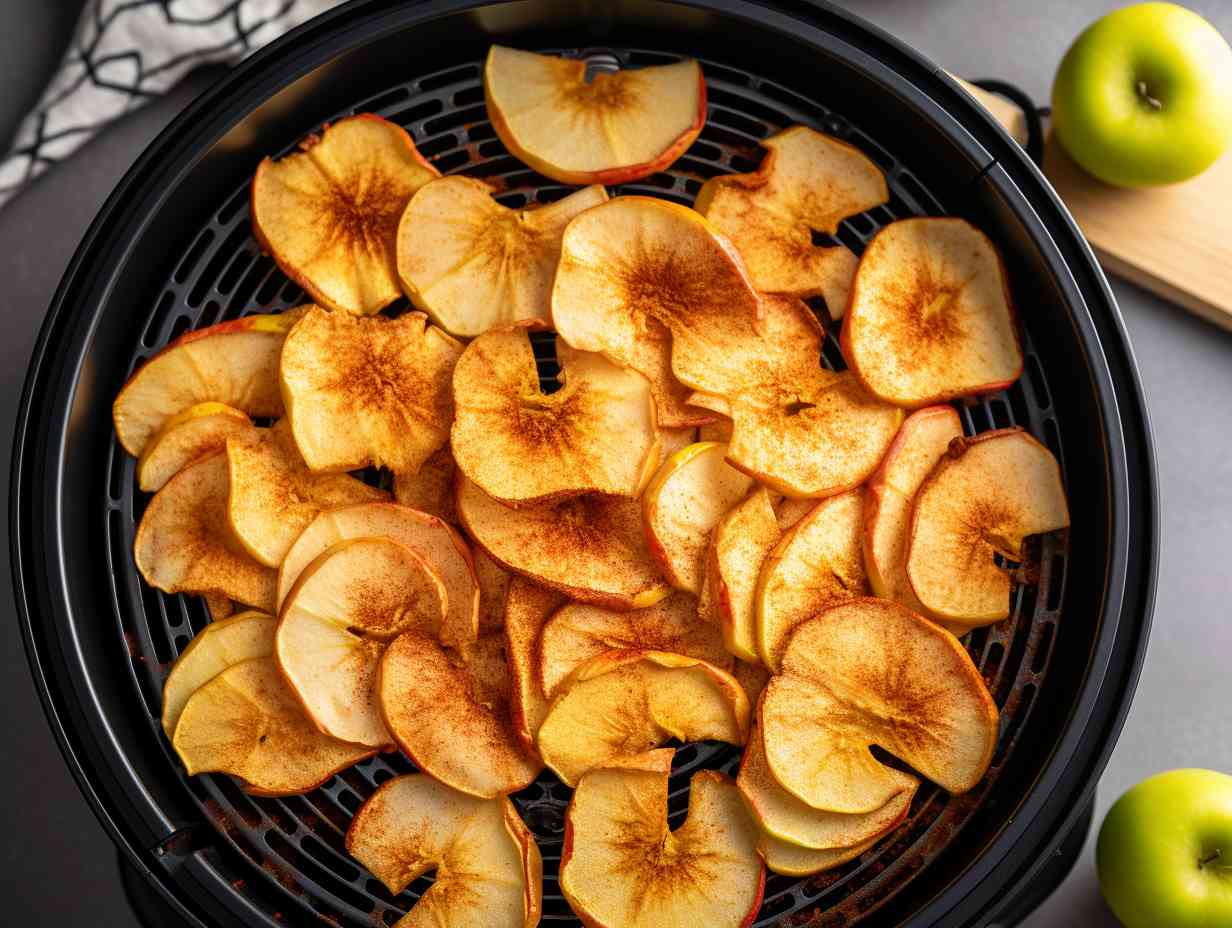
(739, 546)
(430, 488)
(189, 436)
(871, 672)
(625, 702)
(816, 564)
(471, 263)
(527, 609)
(612, 129)
(431, 697)
(336, 622)
(807, 182)
(591, 548)
(578, 632)
(930, 317)
(220, 644)
(596, 434)
(622, 865)
(788, 859)
(368, 390)
(184, 542)
(218, 607)
(328, 213)
(984, 497)
(719, 430)
(233, 363)
(488, 870)
(247, 722)
(437, 543)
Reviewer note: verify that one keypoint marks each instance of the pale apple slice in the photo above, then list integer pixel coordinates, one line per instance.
(807, 182)
(189, 436)
(625, 702)
(430, 488)
(219, 607)
(612, 129)
(488, 870)
(437, 543)
(431, 697)
(817, 563)
(930, 315)
(578, 632)
(591, 548)
(328, 213)
(336, 622)
(985, 496)
(471, 263)
(622, 865)
(871, 672)
(247, 722)
(711, 401)
(220, 644)
(527, 609)
(184, 542)
(493, 589)
(687, 497)
(596, 434)
(234, 363)
(740, 544)
(274, 496)
(788, 859)
(790, 511)
(368, 390)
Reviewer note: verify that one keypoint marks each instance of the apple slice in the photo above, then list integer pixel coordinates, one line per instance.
(430, 488)
(790, 511)
(247, 722)
(716, 404)
(673, 440)
(328, 214)
(184, 542)
(189, 436)
(493, 589)
(218, 607)
(363, 391)
(930, 316)
(612, 129)
(596, 434)
(234, 363)
(578, 632)
(527, 609)
(741, 542)
(274, 495)
(471, 263)
(437, 543)
(591, 548)
(336, 622)
(985, 496)
(752, 678)
(817, 563)
(788, 859)
(431, 698)
(219, 645)
(625, 702)
(622, 865)
(488, 870)
(871, 672)
(807, 182)
(719, 430)
(691, 492)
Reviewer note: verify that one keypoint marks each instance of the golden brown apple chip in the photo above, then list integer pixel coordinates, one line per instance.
(739, 546)
(493, 588)
(430, 489)
(788, 859)
(527, 609)
(186, 437)
(219, 607)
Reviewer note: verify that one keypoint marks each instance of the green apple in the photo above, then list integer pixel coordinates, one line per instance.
(1165, 852)
(1144, 96)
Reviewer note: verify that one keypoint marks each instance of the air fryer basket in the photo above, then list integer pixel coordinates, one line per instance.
(173, 250)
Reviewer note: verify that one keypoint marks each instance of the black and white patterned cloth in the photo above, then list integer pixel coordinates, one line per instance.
(125, 52)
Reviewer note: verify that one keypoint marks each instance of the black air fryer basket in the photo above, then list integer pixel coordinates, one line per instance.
(173, 250)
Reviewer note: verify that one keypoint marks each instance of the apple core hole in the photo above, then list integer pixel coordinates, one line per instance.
(601, 63)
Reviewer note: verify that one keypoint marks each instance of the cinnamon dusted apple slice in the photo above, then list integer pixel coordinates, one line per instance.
(719, 430)
(687, 497)
(788, 859)
(274, 495)
(429, 695)
(184, 542)
(248, 723)
(930, 315)
(527, 609)
(234, 363)
(739, 546)
(328, 214)
(752, 677)
(218, 607)
(673, 440)
(596, 434)
(622, 865)
(189, 436)
(336, 622)
(817, 563)
(612, 129)
(625, 702)
(437, 543)
(807, 182)
(220, 644)
(493, 588)
(363, 391)
(430, 488)
(591, 548)
(790, 511)
(985, 496)
(871, 672)
(578, 632)
(488, 870)
(713, 402)
(471, 263)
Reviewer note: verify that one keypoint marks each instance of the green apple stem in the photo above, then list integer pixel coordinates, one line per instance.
(1210, 858)
(1144, 95)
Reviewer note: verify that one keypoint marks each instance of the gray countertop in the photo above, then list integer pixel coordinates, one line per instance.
(56, 865)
